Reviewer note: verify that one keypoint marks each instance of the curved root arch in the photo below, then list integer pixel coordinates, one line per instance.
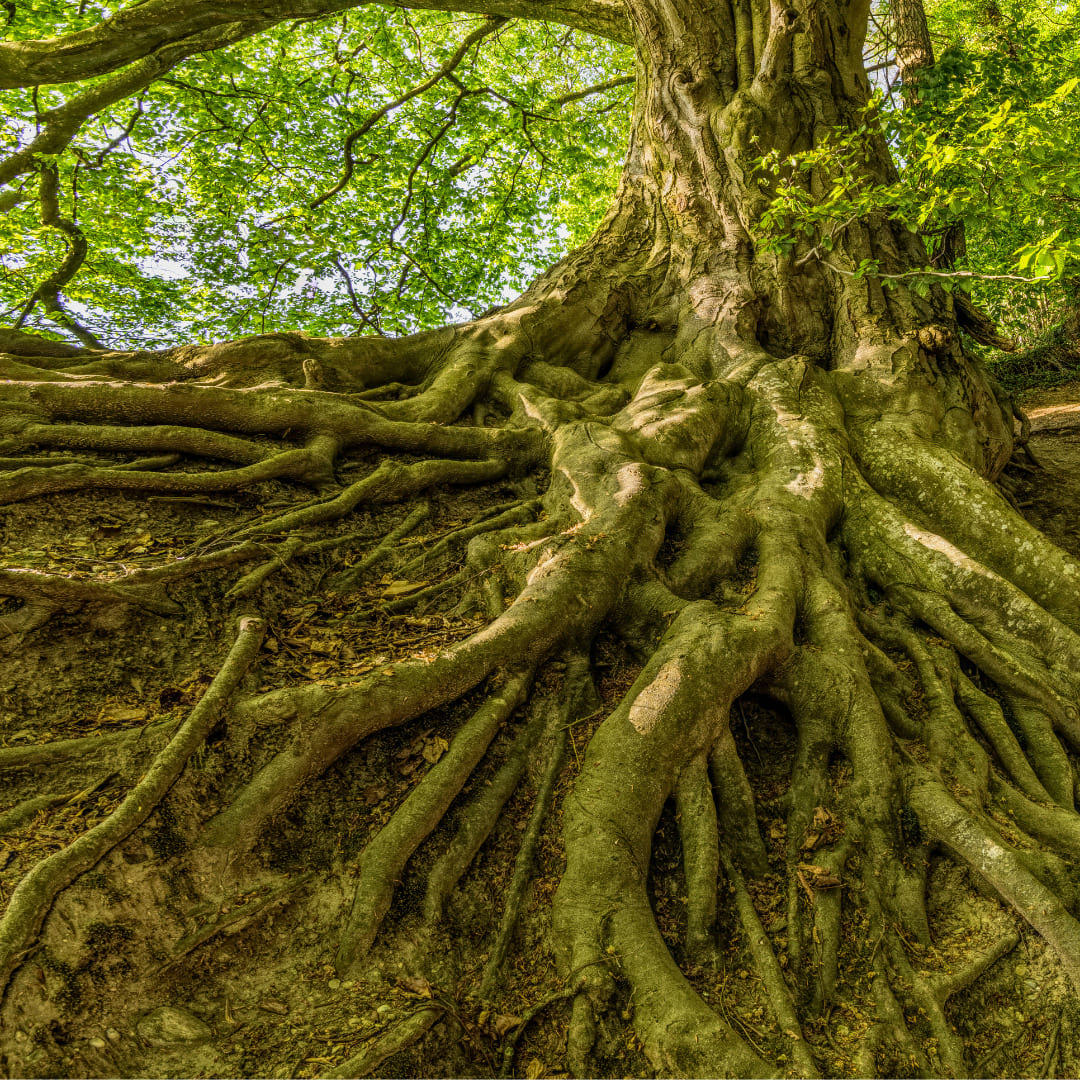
(734, 522)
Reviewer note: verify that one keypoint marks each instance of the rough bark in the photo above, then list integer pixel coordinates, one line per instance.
(763, 476)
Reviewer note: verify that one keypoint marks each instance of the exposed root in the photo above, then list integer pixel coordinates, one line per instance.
(385, 857)
(517, 513)
(943, 818)
(553, 744)
(768, 967)
(239, 914)
(253, 580)
(193, 441)
(696, 811)
(476, 820)
(679, 703)
(298, 465)
(32, 898)
(59, 591)
(530, 1014)
(51, 753)
(390, 482)
(400, 1037)
(31, 615)
(736, 816)
(350, 578)
(28, 809)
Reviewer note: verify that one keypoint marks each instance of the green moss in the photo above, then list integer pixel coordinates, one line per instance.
(69, 995)
(97, 880)
(107, 935)
(165, 841)
(910, 827)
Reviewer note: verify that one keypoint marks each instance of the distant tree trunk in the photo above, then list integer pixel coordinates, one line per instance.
(914, 49)
(757, 474)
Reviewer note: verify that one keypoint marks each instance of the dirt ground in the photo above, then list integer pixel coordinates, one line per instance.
(144, 968)
(1055, 440)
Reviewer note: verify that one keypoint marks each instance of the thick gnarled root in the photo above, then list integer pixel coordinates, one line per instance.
(737, 541)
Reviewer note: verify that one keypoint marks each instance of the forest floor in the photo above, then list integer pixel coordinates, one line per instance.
(141, 973)
(1055, 440)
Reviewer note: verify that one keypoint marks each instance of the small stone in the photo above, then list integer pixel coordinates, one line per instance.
(1020, 970)
(170, 1026)
(113, 1035)
(334, 984)
(97, 1044)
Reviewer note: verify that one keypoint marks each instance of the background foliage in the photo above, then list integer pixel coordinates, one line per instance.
(988, 151)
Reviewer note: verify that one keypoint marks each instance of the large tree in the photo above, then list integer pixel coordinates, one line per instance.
(762, 485)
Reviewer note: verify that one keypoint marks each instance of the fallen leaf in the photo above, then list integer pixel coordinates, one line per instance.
(434, 749)
(416, 984)
(402, 588)
(536, 1068)
(824, 829)
(503, 1024)
(817, 877)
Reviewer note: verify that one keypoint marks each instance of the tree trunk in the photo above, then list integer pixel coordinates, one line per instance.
(914, 49)
(765, 485)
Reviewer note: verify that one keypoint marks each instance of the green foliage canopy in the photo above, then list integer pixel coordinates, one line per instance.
(212, 204)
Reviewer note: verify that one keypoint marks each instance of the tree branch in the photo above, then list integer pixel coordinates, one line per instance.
(140, 30)
(48, 292)
(358, 133)
(599, 88)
